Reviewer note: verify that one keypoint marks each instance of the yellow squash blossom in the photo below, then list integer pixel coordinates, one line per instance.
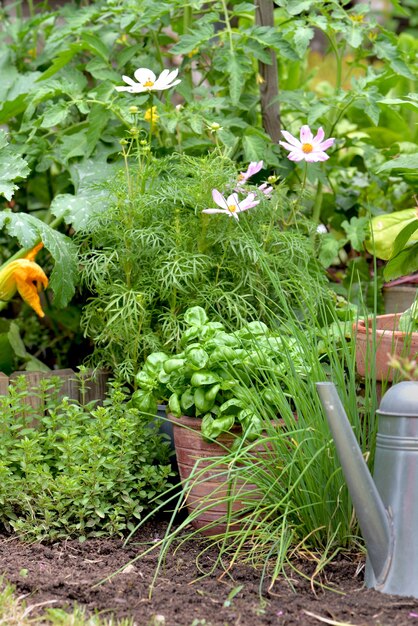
(26, 277)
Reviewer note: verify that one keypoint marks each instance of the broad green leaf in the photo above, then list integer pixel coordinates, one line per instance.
(201, 34)
(97, 121)
(254, 147)
(144, 401)
(316, 111)
(385, 229)
(65, 273)
(403, 264)
(74, 145)
(195, 316)
(356, 231)
(330, 246)
(174, 405)
(404, 236)
(23, 226)
(235, 72)
(29, 230)
(154, 362)
(294, 7)
(407, 162)
(96, 45)
(12, 166)
(302, 37)
(12, 108)
(62, 59)
(204, 378)
(270, 37)
(55, 114)
(187, 400)
(197, 357)
(212, 428)
(355, 36)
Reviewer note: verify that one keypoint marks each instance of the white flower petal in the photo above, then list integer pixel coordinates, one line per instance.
(129, 80)
(215, 211)
(291, 139)
(143, 74)
(171, 75)
(161, 86)
(164, 75)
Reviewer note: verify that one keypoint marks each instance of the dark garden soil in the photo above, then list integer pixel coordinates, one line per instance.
(66, 572)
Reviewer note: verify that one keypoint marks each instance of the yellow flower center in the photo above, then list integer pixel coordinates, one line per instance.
(232, 208)
(241, 176)
(307, 148)
(149, 83)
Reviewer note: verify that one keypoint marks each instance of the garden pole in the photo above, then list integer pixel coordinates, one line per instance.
(269, 83)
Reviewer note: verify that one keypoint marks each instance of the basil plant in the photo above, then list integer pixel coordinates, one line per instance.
(221, 377)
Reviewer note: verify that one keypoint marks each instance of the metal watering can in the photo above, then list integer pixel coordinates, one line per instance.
(386, 507)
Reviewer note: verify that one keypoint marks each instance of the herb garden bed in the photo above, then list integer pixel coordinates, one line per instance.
(65, 573)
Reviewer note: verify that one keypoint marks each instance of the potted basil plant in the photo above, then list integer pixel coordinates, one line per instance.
(213, 388)
(218, 377)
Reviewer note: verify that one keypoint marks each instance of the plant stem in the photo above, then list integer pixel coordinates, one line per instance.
(187, 18)
(316, 211)
(228, 26)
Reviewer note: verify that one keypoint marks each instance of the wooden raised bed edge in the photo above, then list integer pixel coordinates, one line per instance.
(95, 384)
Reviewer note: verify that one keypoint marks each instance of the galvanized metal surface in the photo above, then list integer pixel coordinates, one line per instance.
(396, 482)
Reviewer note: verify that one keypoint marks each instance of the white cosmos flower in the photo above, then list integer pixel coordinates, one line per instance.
(147, 81)
(309, 148)
(231, 205)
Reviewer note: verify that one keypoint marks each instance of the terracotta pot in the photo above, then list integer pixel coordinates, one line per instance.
(389, 341)
(398, 298)
(210, 486)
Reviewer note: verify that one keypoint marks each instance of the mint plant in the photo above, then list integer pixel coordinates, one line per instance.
(69, 470)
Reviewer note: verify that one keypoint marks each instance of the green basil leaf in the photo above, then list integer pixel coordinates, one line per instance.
(204, 378)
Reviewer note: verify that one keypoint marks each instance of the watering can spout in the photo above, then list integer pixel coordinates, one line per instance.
(373, 518)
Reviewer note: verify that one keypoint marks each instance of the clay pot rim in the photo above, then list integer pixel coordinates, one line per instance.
(362, 327)
(193, 423)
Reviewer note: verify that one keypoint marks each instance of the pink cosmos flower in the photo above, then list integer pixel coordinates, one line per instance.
(265, 188)
(309, 148)
(252, 169)
(231, 205)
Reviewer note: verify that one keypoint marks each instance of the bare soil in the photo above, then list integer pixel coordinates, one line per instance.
(67, 572)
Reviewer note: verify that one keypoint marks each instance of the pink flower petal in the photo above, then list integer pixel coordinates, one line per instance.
(319, 135)
(288, 146)
(219, 199)
(296, 156)
(326, 144)
(306, 134)
(292, 140)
